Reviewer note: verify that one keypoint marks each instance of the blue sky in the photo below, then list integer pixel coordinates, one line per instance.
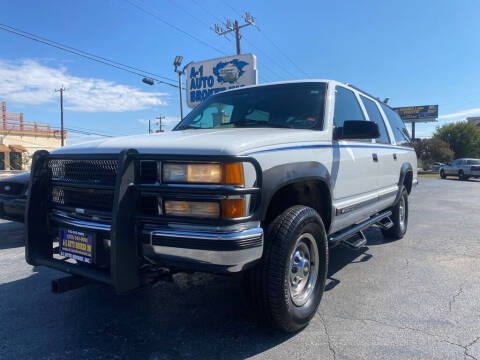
(415, 52)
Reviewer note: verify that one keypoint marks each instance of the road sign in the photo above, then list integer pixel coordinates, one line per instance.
(209, 77)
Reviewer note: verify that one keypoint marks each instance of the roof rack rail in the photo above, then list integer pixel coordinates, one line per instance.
(364, 92)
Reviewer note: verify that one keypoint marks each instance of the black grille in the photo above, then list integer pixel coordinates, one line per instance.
(12, 188)
(149, 171)
(149, 205)
(102, 172)
(82, 198)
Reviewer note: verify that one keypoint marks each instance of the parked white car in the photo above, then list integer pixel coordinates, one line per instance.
(261, 179)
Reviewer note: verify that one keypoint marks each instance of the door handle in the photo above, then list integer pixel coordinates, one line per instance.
(374, 157)
(394, 156)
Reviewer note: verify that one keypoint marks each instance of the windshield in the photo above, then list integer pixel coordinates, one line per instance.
(298, 106)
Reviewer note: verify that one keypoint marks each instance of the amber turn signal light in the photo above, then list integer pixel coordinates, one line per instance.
(233, 208)
(233, 174)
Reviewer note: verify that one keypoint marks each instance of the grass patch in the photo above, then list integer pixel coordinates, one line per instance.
(436, 176)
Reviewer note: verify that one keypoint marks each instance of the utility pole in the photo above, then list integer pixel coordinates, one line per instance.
(61, 90)
(149, 127)
(160, 118)
(235, 27)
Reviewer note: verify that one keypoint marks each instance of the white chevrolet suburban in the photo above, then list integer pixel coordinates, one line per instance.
(261, 180)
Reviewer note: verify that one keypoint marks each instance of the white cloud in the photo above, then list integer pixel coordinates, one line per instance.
(30, 82)
(463, 113)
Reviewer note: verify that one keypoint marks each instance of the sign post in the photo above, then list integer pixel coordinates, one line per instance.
(209, 77)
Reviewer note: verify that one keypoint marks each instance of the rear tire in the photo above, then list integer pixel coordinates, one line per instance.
(442, 174)
(287, 285)
(399, 217)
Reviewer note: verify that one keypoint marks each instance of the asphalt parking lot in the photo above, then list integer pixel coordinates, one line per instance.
(417, 298)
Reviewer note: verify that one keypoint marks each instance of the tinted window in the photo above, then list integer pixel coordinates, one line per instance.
(375, 116)
(400, 132)
(473, 162)
(297, 106)
(346, 107)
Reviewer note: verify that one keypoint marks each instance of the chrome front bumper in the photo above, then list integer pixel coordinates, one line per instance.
(231, 251)
(221, 251)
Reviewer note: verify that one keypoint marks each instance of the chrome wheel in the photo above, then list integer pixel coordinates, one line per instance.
(303, 269)
(402, 213)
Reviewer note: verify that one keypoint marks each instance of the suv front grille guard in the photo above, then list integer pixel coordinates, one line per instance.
(123, 273)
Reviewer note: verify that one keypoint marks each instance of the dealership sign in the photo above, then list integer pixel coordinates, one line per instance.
(424, 113)
(209, 77)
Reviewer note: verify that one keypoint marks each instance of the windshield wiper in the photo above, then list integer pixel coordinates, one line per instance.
(262, 124)
(189, 127)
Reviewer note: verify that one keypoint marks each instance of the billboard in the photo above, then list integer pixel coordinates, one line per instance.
(209, 77)
(424, 113)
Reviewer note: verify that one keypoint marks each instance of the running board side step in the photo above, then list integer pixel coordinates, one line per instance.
(355, 231)
(385, 224)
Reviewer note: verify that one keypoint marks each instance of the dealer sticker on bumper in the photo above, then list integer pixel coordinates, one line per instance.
(76, 245)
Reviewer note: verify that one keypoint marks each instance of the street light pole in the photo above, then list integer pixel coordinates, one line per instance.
(180, 73)
(177, 62)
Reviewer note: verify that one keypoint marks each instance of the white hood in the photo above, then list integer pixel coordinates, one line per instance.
(197, 142)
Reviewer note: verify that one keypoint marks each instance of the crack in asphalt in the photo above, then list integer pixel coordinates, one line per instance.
(464, 347)
(457, 294)
(329, 340)
(468, 346)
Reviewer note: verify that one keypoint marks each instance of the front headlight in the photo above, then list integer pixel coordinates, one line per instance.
(203, 173)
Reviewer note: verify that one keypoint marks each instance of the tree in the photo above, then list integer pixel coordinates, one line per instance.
(463, 138)
(431, 150)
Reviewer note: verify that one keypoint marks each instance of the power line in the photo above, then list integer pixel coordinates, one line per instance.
(235, 27)
(271, 59)
(272, 42)
(282, 52)
(86, 55)
(174, 26)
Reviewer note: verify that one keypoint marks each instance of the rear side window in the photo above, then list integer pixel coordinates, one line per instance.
(400, 132)
(346, 107)
(376, 117)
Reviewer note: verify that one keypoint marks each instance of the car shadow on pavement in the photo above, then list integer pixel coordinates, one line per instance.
(198, 315)
(341, 256)
(11, 234)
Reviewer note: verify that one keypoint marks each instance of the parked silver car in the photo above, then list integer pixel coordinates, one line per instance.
(463, 168)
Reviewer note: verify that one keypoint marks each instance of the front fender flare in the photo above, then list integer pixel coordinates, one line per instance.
(279, 176)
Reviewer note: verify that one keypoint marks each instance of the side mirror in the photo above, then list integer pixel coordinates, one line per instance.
(358, 129)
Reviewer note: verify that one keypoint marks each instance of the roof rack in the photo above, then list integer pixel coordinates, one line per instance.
(364, 92)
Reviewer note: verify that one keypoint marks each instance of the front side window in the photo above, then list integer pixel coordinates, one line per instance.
(376, 117)
(400, 132)
(297, 106)
(346, 107)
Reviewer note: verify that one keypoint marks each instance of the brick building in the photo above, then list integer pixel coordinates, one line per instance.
(19, 140)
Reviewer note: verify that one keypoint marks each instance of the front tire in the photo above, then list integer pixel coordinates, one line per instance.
(286, 287)
(399, 217)
(442, 174)
(461, 176)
